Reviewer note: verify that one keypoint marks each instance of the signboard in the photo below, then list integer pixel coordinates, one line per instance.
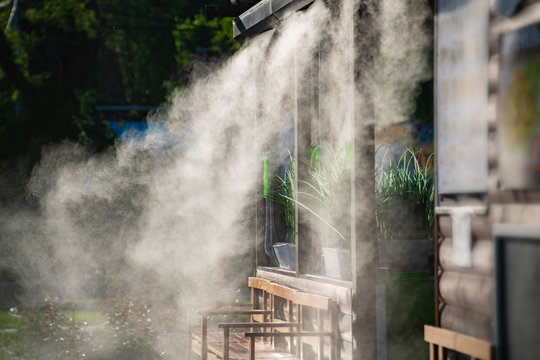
(517, 291)
(519, 109)
(462, 96)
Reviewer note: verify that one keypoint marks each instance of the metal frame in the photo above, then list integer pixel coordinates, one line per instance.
(503, 234)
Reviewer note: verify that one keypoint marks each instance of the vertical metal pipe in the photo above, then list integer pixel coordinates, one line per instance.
(435, 166)
(436, 244)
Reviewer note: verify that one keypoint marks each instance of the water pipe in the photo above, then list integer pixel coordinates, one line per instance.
(236, 8)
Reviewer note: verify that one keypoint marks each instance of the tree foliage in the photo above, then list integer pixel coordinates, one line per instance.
(61, 58)
(199, 39)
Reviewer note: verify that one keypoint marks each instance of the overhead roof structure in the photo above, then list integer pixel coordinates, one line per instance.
(265, 15)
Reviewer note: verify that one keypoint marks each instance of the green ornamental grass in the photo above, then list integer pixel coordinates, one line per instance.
(326, 188)
(404, 188)
(402, 185)
(285, 196)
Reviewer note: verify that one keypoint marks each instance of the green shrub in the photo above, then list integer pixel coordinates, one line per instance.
(130, 320)
(46, 333)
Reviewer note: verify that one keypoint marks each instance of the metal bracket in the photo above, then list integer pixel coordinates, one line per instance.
(461, 231)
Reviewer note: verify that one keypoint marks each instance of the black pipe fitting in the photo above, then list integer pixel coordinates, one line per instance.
(220, 11)
(244, 2)
(236, 8)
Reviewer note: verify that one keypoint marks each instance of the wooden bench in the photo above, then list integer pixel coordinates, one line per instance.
(280, 320)
(442, 340)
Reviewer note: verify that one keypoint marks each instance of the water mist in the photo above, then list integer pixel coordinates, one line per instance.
(172, 217)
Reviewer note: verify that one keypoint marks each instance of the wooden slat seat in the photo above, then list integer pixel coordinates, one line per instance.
(268, 334)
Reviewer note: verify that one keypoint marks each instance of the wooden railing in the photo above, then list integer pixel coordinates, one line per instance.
(442, 340)
(264, 326)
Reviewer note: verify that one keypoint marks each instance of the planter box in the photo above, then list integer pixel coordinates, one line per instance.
(286, 255)
(404, 255)
(337, 263)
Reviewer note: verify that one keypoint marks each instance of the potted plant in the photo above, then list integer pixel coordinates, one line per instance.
(404, 211)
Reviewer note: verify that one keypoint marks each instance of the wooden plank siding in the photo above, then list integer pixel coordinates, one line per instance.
(482, 257)
(466, 294)
(467, 290)
(468, 322)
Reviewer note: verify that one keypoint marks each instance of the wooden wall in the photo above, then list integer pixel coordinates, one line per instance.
(465, 296)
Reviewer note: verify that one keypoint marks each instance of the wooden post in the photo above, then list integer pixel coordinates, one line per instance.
(265, 307)
(253, 293)
(364, 246)
(272, 299)
(436, 245)
(442, 353)
(252, 348)
(290, 318)
(333, 329)
(320, 327)
(302, 151)
(432, 351)
(188, 338)
(300, 314)
(226, 343)
(364, 39)
(204, 336)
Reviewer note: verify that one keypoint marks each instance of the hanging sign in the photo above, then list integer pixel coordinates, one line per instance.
(519, 109)
(462, 96)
